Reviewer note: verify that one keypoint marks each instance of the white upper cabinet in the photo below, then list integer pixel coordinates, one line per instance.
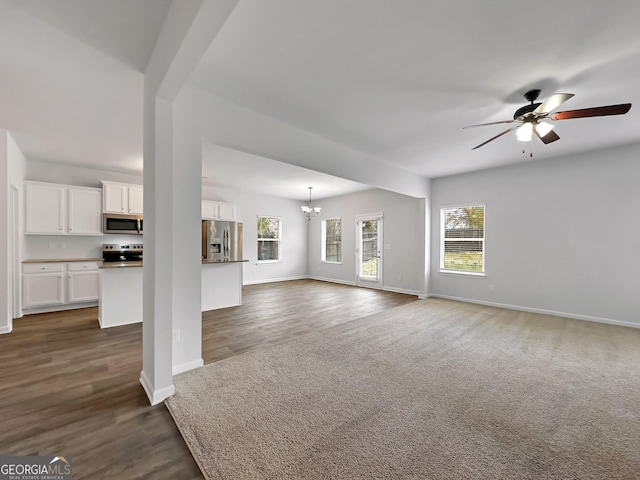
(52, 209)
(44, 208)
(85, 208)
(135, 199)
(209, 210)
(122, 198)
(218, 210)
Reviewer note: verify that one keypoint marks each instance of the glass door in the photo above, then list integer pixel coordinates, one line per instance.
(369, 251)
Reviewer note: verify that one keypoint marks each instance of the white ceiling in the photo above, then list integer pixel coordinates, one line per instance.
(395, 81)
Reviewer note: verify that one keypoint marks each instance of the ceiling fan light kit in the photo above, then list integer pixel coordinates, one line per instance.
(530, 119)
(524, 132)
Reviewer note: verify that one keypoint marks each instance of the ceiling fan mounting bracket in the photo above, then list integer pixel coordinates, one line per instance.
(523, 114)
(532, 95)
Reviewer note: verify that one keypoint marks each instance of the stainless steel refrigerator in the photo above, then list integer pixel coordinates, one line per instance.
(221, 240)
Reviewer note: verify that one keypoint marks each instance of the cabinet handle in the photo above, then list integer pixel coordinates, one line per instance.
(43, 268)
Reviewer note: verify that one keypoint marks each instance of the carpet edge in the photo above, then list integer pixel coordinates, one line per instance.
(184, 438)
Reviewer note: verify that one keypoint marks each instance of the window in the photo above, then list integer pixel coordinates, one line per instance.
(269, 236)
(332, 240)
(462, 239)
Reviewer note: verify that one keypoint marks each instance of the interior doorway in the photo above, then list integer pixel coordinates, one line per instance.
(369, 250)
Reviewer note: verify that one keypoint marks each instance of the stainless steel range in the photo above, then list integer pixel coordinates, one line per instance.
(123, 253)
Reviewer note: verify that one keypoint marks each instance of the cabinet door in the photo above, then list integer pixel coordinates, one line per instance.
(83, 286)
(209, 210)
(115, 198)
(44, 209)
(85, 212)
(226, 211)
(136, 200)
(42, 289)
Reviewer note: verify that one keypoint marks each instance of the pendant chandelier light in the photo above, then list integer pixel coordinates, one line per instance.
(308, 210)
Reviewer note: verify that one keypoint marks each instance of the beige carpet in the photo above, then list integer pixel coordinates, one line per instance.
(431, 390)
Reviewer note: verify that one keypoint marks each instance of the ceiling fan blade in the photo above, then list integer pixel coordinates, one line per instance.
(490, 123)
(551, 136)
(553, 102)
(497, 136)
(620, 109)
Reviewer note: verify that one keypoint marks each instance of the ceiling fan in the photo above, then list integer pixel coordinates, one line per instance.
(533, 119)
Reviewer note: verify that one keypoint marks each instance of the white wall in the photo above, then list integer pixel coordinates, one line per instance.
(294, 233)
(74, 175)
(562, 235)
(403, 238)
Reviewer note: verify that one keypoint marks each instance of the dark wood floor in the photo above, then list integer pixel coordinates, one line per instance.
(69, 388)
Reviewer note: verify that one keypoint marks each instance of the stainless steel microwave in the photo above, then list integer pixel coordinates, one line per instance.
(120, 223)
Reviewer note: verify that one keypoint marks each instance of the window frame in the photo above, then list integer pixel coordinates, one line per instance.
(323, 242)
(261, 239)
(482, 240)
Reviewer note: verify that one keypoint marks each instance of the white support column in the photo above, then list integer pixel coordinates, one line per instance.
(187, 244)
(172, 198)
(158, 280)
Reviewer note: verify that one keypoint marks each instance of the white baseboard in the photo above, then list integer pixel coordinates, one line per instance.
(401, 290)
(58, 308)
(155, 396)
(6, 329)
(575, 316)
(273, 280)
(185, 367)
(119, 324)
(332, 280)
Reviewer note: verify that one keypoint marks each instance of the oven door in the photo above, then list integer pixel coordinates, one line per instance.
(128, 224)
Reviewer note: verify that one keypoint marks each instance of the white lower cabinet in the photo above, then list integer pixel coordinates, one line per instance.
(83, 282)
(55, 284)
(42, 284)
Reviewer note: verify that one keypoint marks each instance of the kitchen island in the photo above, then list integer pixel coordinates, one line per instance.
(221, 284)
(121, 290)
(120, 300)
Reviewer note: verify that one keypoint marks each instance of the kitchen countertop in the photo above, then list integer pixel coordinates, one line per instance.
(114, 264)
(139, 264)
(61, 260)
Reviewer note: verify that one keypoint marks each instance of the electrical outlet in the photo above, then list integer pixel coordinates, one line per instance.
(175, 337)
(491, 288)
